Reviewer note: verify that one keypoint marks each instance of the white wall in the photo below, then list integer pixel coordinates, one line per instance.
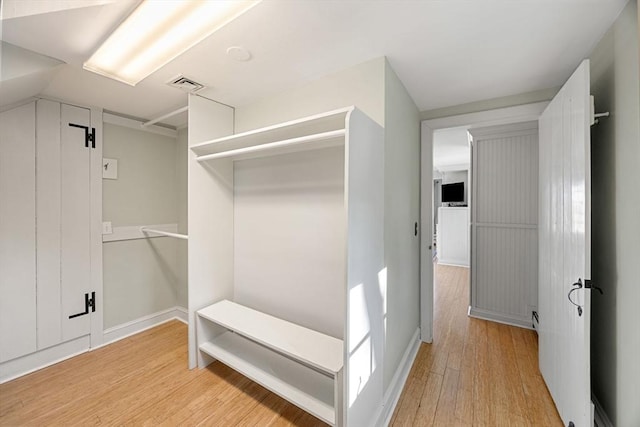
(402, 210)
(289, 233)
(374, 88)
(615, 146)
(362, 85)
(141, 277)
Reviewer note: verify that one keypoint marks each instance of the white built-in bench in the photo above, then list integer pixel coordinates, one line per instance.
(301, 365)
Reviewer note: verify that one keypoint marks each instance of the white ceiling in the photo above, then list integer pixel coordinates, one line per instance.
(445, 52)
(451, 149)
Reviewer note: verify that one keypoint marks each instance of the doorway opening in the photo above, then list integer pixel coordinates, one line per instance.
(430, 130)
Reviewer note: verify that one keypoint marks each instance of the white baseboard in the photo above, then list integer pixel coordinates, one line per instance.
(600, 416)
(453, 263)
(24, 365)
(29, 363)
(392, 396)
(136, 326)
(500, 318)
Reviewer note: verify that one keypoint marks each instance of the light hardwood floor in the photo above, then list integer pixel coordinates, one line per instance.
(475, 373)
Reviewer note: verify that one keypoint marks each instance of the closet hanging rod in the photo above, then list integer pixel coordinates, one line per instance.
(145, 230)
(334, 134)
(166, 116)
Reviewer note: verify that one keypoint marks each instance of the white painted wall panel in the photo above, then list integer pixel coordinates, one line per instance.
(210, 215)
(289, 234)
(368, 307)
(453, 236)
(401, 214)
(48, 224)
(506, 270)
(506, 180)
(18, 232)
(504, 223)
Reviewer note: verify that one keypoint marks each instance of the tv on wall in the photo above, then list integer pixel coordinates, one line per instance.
(453, 193)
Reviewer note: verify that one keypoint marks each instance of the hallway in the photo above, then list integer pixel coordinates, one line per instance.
(476, 372)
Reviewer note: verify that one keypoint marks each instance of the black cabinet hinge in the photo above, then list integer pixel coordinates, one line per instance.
(89, 135)
(89, 303)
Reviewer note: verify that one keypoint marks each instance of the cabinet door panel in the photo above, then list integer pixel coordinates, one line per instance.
(75, 260)
(48, 222)
(18, 232)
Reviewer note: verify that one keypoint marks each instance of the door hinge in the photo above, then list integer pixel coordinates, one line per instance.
(89, 303)
(89, 136)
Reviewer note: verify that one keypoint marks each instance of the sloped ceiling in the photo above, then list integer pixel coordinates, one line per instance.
(23, 73)
(445, 52)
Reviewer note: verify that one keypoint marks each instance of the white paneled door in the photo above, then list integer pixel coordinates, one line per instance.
(46, 294)
(564, 304)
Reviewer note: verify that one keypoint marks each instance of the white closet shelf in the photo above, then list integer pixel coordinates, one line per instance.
(301, 365)
(310, 347)
(299, 133)
(304, 387)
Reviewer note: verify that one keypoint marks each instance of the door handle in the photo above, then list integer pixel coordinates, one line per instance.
(576, 286)
(588, 284)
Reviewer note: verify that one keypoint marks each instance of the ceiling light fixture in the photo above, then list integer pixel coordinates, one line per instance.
(158, 31)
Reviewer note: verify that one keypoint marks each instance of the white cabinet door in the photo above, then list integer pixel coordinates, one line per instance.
(17, 232)
(564, 244)
(75, 244)
(45, 243)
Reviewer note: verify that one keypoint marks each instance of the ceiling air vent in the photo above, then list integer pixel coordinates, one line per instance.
(185, 83)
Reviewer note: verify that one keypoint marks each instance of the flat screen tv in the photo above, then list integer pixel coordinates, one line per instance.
(452, 193)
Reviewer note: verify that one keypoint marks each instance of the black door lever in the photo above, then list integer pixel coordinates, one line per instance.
(588, 284)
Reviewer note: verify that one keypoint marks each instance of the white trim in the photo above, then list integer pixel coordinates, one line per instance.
(18, 104)
(499, 116)
(452, 264)
(182, 314)
(392, 396)
(29, 363)
(141, 324)
(95, 192)
(427, 250)
(601, 419)
(131, 232)
(504, 131)
(137, 125)
(500, 318)
(41, 359)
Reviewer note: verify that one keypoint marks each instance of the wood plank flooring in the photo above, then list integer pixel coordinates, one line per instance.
(476, 373)
(143, 380)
